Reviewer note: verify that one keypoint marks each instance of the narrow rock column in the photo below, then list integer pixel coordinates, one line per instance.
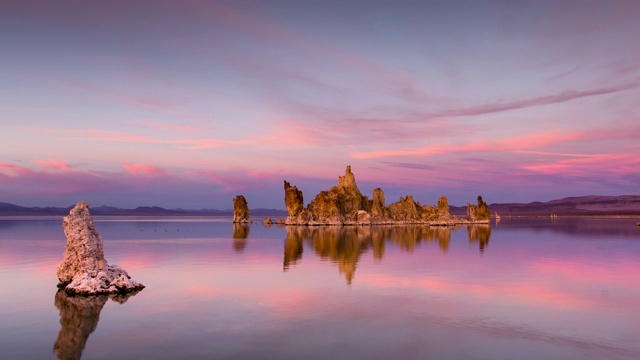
(240, 210)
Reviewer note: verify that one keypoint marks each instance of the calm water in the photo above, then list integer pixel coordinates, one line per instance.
(522, 289)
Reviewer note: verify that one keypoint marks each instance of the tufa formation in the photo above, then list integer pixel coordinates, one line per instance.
(84, 270)
(478, 213)
(240, 210)
(344, 204)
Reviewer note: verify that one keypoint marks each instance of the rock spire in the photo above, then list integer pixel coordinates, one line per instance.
(84, 270)
(240, 210)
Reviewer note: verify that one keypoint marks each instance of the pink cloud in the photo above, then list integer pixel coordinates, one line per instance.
(240, 180)
(616, 163)
(19, 183)
(355, 131)
(144, 170)
(13, 170)
(516, 144)
(53, 164)
(174, 127)
(202, 144)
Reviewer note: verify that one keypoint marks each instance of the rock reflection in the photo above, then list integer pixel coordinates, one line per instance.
(240, 235)
(407, 238)
(292, 247)
(479, 234)
(79, 316)
(342, 245)
(345, 245)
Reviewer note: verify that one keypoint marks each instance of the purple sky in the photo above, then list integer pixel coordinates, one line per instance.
(184, 104)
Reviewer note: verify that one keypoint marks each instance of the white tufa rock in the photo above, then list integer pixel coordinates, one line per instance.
(84, 270)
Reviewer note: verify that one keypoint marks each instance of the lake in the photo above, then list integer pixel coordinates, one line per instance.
(520, 289)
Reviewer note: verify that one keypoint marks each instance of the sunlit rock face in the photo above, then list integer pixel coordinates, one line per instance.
(478, 213)
(294, 202)
(293, 199)
(405, 210)
(439, 214)
(240, 210)
(340, 204)
(84, 270)
(378, 207)
(325, 207)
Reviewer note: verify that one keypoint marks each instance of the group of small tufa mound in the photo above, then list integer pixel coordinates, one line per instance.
(84, 270)
(343, 204)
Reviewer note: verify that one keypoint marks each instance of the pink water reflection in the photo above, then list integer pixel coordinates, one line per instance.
(408, 292)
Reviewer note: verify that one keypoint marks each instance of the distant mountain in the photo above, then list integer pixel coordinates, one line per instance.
(582, 205)
(11, 209)
(7, 209)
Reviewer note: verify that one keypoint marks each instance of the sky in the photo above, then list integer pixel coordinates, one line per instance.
(185, 104)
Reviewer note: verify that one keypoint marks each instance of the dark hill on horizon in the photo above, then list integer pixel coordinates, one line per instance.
(581, 205)
(7, 209)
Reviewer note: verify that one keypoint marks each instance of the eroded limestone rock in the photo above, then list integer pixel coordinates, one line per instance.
(405, 210)
(478, 213)
(240, 210)
(84, 270)
(343, 204)
(294, 201)
(378, 207)
(439, 214)
(340, 204)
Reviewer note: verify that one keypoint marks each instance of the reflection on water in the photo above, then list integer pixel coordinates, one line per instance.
(293, 247)
(79, 316)
(542, 290)
(479, 234)
(345, 245)
(240, 235)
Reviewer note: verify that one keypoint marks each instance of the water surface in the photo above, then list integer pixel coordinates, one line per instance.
(524, 288)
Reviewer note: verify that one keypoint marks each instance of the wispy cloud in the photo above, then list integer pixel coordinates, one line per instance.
(173, 127)
(10, 170)
(125, 137)
(409, 165)
(144, 170)
(516, 144)
(561, 97)
(53, 164)
(390, 79)
(122, 96)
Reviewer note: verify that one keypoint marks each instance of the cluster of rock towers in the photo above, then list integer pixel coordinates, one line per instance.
(344, 204)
